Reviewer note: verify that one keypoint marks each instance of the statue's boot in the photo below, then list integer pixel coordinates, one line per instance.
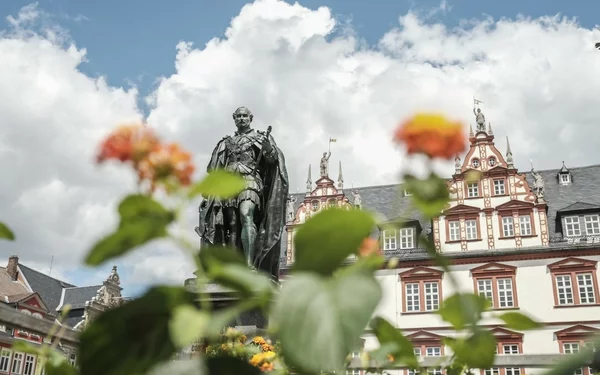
(248, 240)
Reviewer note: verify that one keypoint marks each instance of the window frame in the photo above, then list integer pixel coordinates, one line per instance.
(476, 184)
(505, 337)
(421, 276)
(385, 237)
(566, 224)
(477, 231)
(400, 236)
(585, 224)
(573, 267)
(449, 237)
(21, 362)
(33, 364)
(10, 357)
(496, 271)
(503, 180)
(422, 340)
(579, 334)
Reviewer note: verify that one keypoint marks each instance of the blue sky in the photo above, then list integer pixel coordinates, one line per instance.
(134, 40)
(70, 204)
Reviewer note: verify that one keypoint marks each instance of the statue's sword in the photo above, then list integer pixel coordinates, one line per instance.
(260, 156)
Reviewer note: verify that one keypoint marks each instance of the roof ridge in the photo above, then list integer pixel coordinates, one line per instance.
(48, 276)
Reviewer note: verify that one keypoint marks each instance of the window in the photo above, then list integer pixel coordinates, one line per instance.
(426, 345)
(564, 178)
(573, 339)
(26, 312)
(508, 229)
(315, 205)
(574, 282)
(508, 343)
(525, 225)
(29, 365)
(37, 315)
(572, 226)
(471, 229)
(499, 188)
(390, 242)
(475, 163)
(17, 364)
(472, 189)
(454, 231)
(492, 161)
(496, 282)
(592, 225)
(353, 372)
(5, 356)
(407, 238)
(422, 289)
(407, 193)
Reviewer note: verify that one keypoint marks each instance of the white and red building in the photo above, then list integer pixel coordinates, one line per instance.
(528, 241)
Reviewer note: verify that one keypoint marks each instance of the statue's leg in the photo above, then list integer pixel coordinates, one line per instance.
(231, 218)
(249, 230)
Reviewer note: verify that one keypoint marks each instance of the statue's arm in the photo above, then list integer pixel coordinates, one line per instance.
(215, 161)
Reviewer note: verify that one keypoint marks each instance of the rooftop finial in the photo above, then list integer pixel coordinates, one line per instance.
(309, 182)
(340, 178)
(509, 155)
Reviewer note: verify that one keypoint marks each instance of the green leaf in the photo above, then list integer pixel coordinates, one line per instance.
(219, 183)
(429, 196)
(573, 362)
(386, 334)
(476, 351)
(318, 323)
(519, 321)
(187, 325)
(187, 367)
(221, 255)
(329, 237)
(463, 310)
(133, 337)
(141, 220)
(224, 365)
(6, 233)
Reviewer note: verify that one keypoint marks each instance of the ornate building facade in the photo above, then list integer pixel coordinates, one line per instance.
(35, 294)
(527, 241)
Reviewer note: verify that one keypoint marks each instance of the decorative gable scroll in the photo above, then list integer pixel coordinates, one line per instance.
(573, 265)
(421, 273)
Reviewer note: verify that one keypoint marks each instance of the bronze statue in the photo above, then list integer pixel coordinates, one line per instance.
(253, 221)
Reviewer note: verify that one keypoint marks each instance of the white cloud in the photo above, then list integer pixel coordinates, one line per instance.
(304, 74)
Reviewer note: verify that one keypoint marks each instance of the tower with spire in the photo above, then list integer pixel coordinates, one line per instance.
(492, 204)
(322, 195)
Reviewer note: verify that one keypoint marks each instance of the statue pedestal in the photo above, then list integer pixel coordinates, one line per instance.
(221, 298)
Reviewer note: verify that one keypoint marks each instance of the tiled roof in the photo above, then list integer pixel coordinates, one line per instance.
(8, 287)
(49, 288)
(18, 297)
(387, 201)
(78, 296)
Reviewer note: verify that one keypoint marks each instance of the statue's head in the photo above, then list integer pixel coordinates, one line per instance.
(478, 110)
(324, 154)
(242, 117)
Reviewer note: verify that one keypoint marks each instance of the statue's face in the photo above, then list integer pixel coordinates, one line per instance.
(242, 117)
(324, 154)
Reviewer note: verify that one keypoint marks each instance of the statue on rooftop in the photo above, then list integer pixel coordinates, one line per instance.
(357, 200)
(290, 209)
(538, 182)
(325, 164)
(479, 116)
(253, 220)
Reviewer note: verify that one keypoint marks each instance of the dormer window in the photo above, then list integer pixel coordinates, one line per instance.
(572, 228)
(407, 238)
(592, 225)
(407, 193)
(565, 178)
(564, 175)
(390, 241)
(475, 163)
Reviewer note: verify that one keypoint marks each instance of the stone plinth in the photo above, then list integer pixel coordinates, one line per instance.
(221, 297)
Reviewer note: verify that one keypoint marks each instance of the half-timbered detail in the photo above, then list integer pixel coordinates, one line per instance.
(421, 290)
(575, 282)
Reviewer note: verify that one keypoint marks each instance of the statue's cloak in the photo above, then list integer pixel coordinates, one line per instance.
(269, 217)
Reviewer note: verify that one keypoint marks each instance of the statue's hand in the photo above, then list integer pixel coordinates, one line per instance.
(266, 145)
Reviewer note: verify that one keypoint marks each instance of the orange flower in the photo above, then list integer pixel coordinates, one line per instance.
(432, 135)
(390, 358)
(369, 246)
(128, 143)
(259, 340)
(167, 161)
(266, 367)
(266, 347)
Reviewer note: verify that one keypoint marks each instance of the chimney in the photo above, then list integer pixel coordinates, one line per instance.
(11, 268)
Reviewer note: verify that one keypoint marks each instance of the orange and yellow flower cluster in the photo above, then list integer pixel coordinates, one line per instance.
(432, 135)
(154, 162)
(265, 360)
